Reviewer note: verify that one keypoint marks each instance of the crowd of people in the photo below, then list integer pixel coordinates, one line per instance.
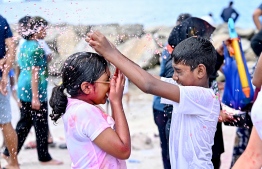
(186, 108)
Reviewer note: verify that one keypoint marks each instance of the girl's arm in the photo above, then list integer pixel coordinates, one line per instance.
(142, 79)
(257, 79)
(34, 84)
(252, 156)
(116, 143)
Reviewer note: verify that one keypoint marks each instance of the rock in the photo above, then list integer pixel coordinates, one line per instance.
(250, 66)
(66, 42)
(221, 76)
(161, 36)
(132, 30)
(221, 29)
(54, 67)
(245, 43)
(250, 55)
(110, 31)
(83, 46)
(217, 39)
(245, 33)
(81, 30)
(139, 50)
(51, 36)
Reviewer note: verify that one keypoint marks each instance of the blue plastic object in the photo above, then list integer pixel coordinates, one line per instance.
(233, 95)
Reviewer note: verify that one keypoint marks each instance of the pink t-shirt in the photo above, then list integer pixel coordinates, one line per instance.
(83, 122)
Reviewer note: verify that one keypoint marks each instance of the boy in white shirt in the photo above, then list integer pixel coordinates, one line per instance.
(194, 123)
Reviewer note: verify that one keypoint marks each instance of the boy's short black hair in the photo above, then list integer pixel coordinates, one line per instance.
(194, 51)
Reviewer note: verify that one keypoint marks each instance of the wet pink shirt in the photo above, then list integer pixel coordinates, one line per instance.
(83, 122)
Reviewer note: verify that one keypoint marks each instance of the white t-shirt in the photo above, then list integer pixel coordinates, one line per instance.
(83, 122)
(256, 114)
(193, 127)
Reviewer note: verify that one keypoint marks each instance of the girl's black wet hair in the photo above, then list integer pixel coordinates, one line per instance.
(78, 68)
(194, 51)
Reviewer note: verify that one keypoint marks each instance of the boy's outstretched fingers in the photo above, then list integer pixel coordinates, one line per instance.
(100, 43)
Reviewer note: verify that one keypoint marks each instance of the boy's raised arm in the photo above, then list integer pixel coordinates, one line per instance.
(142, 79)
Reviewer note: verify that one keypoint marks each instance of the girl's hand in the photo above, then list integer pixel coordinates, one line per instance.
(35, 104)
(117, 84)
(100, 43)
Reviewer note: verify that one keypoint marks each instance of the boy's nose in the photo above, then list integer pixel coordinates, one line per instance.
(175, 77)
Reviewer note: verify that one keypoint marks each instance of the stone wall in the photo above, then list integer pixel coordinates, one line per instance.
(143, 46)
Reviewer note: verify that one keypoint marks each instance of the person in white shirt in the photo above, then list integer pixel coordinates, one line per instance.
(193, 125)
(94, 139)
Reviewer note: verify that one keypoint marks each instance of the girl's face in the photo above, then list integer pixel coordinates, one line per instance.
(101, 88)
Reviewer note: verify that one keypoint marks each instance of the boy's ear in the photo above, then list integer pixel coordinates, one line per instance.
(201, 71)
(86, 87)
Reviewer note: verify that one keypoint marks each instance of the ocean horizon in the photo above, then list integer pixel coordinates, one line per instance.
(146, 12)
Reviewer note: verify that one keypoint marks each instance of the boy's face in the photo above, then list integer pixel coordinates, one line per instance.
(184, 76)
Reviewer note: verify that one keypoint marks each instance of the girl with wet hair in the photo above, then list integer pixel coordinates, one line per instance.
(94, 139)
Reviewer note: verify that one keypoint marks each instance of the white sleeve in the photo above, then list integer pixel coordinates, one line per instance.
(164, 100)
(126, 85)
(198, 101)
(90, 121)
(45, 47)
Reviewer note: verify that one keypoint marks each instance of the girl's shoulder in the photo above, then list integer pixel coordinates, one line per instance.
(80, 107)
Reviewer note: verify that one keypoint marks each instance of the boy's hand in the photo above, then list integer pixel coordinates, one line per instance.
(220, 49)
(100, 43)
(117, 84)
(224, 117)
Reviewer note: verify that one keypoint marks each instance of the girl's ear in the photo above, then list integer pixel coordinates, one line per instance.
(201, 71)
(86, 87)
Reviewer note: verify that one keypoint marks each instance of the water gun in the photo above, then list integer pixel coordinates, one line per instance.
(235, 50)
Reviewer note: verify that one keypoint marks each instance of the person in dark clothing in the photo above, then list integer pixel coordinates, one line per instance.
(197, 27)
(229, 12)
(256, 41)
(7, 55)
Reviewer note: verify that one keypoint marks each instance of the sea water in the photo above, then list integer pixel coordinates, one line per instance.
(146, 12)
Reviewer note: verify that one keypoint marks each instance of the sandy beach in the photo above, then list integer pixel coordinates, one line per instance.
(146, 152)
